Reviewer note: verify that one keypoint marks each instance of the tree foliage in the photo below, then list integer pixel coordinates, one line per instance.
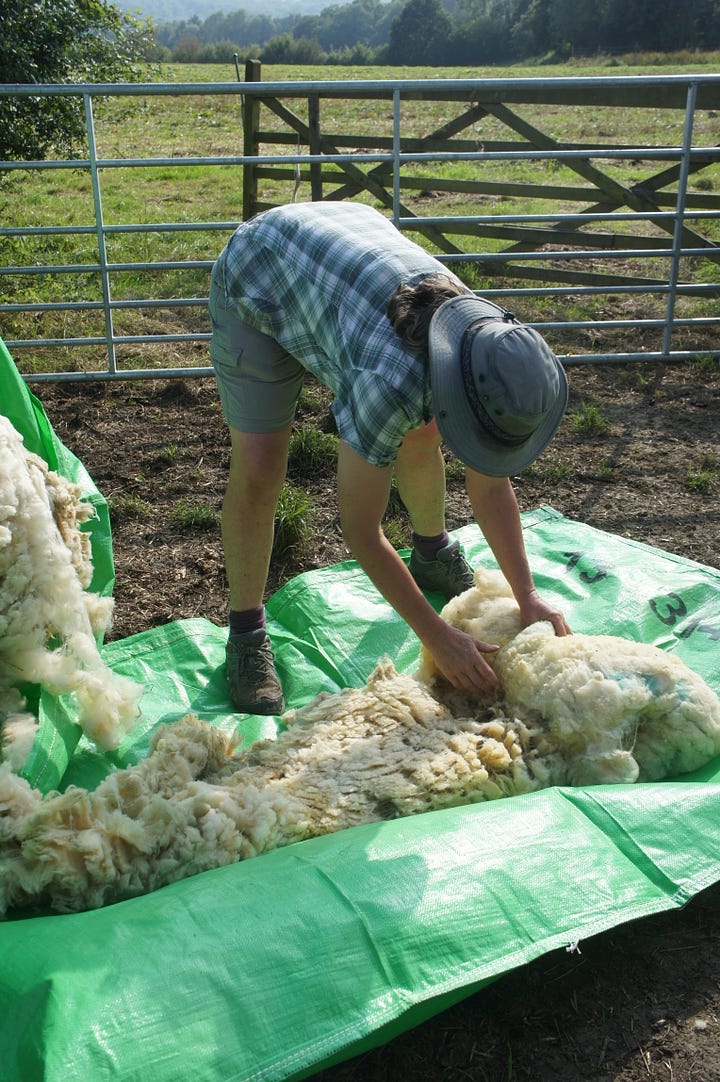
(70, 40)
(467, 32)
(420, 34)
(364, 22)
(60, 41)
(358, 27)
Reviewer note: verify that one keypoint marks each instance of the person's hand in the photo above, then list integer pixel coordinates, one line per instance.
(534, 608)
(459, 657)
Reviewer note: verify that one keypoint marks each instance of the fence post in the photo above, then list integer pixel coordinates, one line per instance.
(315, 147)
(674, 271)
(100, 230)
(251, 117)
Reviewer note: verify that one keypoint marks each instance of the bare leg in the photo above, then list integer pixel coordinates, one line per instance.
(257, 471)
(420, 476)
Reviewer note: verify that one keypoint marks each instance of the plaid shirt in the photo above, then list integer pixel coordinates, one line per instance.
(317, 278)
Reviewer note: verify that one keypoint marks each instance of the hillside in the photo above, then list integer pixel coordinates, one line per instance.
(164, 11)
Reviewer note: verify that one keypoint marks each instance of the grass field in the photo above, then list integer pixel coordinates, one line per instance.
(204, 126)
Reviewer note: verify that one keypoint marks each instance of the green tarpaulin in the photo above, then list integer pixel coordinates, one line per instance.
(271, 968)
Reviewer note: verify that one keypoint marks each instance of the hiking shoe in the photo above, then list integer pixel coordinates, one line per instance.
(449, 573)
(252, 680)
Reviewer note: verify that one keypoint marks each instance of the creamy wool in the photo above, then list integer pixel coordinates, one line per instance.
(575, 710)
(49, 621)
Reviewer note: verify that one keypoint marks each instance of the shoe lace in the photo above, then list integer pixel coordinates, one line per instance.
(457, 566)
(257, 658)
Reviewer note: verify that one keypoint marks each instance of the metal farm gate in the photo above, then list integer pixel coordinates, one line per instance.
(601, 240)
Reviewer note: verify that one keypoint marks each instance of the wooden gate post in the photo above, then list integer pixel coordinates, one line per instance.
(251, 146)
(315, 147)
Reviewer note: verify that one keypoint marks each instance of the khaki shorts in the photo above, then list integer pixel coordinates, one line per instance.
(258, 380)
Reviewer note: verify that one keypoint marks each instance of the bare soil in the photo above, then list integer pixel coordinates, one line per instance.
(639, 1003)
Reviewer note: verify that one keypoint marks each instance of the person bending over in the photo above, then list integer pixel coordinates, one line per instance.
(413, 358)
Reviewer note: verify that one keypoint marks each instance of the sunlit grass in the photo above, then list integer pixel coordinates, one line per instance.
(191, 514)
(702, 479)
(588, 420)
(312, 451)
(292, 527)
(128, 507)
(199, 125)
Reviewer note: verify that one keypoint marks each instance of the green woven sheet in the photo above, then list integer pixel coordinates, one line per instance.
(272, 968)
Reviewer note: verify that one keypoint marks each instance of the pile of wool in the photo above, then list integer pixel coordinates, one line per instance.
(359, 756)
(611, 709)
(49, 621)
(575, 710)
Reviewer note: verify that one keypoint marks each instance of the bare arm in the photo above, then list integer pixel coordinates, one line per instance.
(363, 492)
(496, 511)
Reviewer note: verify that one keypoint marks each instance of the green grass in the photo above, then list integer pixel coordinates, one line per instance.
(167, 455)
(396, 521)
(312, 450)
(123, 508)
(703, 478)
(551, 471)
(706, 363)
(190, 514)
(588, 420)
(292, 528)
(201, 125)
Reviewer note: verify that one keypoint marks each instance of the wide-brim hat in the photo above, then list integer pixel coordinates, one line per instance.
(499, 392)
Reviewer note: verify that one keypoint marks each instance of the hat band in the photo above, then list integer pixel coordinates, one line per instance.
(473, 397)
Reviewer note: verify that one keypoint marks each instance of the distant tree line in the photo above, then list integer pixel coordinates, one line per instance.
(58, 41)
(446, 32)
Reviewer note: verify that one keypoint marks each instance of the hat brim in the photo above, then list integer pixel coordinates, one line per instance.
(459, 426)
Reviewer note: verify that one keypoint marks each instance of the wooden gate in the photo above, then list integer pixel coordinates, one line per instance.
(593, 208)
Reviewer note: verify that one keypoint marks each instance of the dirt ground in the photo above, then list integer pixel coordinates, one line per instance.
(638, 455)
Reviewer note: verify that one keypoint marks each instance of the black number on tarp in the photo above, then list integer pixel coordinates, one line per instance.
(596, 575)
(712, 630)
(676, 609)
(669, 609)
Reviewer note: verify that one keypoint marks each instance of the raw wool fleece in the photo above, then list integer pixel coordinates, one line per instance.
(609, 709)
(598, 709)
(362, 755)
(48, 619)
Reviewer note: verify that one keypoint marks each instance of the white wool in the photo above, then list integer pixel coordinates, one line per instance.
(575, 710)
(615, 710)
(378, 752)
(48, 619)
(18, 737)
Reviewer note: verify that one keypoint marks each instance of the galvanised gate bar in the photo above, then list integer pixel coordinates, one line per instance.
(611, 241)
